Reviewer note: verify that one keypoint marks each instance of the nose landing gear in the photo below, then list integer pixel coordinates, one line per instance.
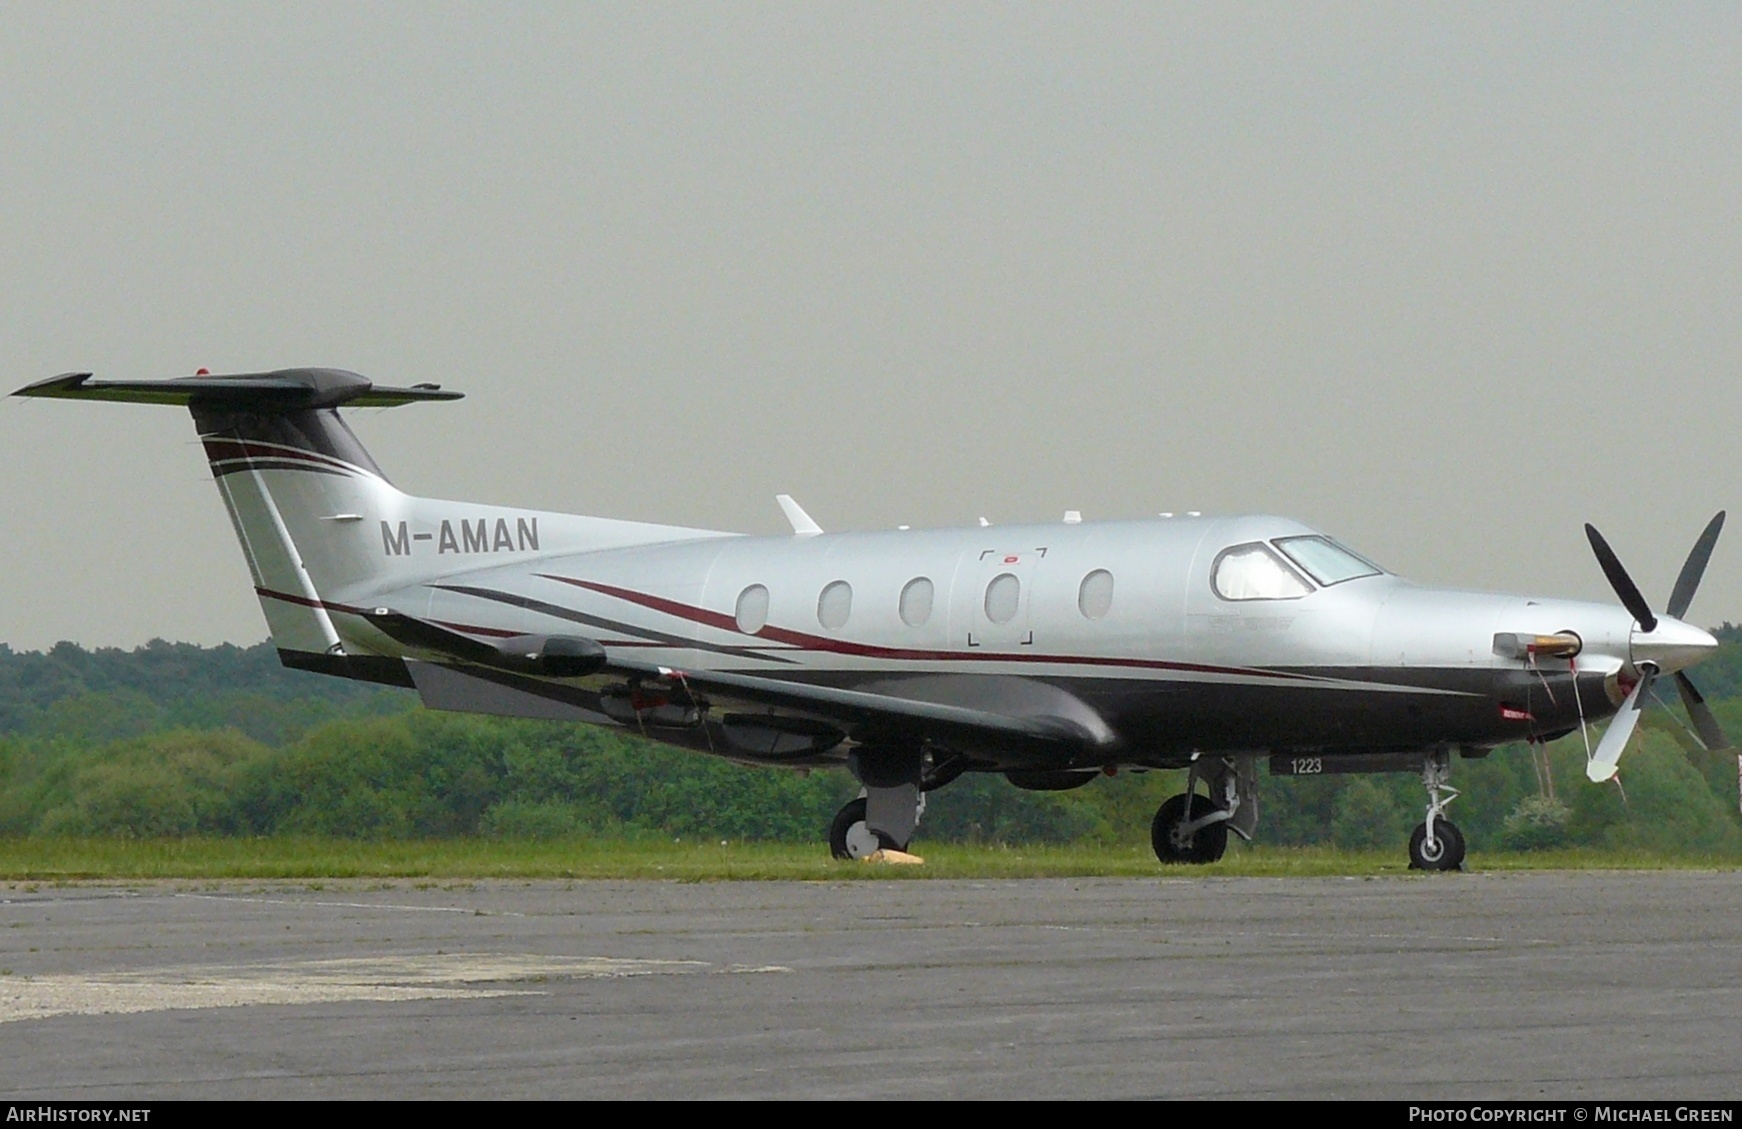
(1437, 844)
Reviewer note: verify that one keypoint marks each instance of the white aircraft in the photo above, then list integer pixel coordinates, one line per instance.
(1049, 653)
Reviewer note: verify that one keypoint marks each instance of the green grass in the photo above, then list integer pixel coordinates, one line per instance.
(58, 859)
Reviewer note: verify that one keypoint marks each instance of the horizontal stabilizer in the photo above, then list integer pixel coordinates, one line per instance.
(291, 389)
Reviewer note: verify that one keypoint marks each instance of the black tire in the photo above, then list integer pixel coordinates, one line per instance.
(845, 819)
(853, 813)
(1206, 844)
(1447, 852)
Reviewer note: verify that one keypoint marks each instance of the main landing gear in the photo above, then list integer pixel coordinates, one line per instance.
(1190, 828)
(887, 812)
(1436, 843)
(855, 835)
(850, 837)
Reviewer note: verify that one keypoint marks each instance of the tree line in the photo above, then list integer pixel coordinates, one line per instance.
(171, 739)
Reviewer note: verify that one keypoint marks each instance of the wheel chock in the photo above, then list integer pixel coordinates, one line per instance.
(894, 857)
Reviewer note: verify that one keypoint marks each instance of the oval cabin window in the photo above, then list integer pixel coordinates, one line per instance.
(752, 612)
(835, 605)
(916, 599)
(1095, 597)
(1003, 596)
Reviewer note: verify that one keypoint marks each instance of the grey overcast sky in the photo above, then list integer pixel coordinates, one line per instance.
(1444, 280)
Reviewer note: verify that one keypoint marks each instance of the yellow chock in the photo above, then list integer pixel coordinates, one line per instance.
(894, 857)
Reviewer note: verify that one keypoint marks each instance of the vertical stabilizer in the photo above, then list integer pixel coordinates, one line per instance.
(326, 536)
(298, 485)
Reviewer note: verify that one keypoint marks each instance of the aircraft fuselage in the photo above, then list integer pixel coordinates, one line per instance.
(1120, 616)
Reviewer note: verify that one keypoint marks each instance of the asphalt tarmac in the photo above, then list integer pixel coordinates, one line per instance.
(1485, 986)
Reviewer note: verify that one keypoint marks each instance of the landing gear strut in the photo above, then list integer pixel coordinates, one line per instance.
(1437, 844)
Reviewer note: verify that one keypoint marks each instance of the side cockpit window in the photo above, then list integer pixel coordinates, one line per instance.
(1326, 561)
(1255, 572)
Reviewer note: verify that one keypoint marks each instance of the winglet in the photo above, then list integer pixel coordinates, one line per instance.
(802, 525)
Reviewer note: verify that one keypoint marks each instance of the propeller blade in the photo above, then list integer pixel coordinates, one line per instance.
(1694, 568)
(1608, 755)
(1711, 734)
(1620, 581)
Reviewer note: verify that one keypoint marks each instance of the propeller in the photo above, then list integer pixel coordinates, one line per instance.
(1606, 759)
(1694, 567)
(1705, 725)
(1621, 582)
(1608, 755)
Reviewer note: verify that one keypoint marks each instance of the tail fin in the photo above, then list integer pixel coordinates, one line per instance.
(327, 537)
(293, 477)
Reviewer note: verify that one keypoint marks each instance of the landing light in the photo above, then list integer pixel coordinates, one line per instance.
(1562, 645)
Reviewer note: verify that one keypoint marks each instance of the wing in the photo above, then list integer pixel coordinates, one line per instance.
(1016, 723)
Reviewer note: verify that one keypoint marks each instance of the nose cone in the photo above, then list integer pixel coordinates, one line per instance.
(1673, 646)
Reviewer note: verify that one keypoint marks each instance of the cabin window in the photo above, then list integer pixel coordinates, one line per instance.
(1095, 597)
(835, 605)
(1002, 597)
(1255, 572)
(752, 609)
(916, 599)
(1326, 561)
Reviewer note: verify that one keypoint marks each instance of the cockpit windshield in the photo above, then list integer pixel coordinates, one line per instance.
(1326, 561)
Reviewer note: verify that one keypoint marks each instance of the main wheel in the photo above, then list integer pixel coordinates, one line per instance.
(1172, 844)
(850, 837)
(1445, 853)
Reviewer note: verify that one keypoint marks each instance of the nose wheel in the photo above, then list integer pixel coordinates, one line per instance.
(1445, 851)
(1436, 843)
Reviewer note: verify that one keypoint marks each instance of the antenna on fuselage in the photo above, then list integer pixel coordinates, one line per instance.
(802, 524)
